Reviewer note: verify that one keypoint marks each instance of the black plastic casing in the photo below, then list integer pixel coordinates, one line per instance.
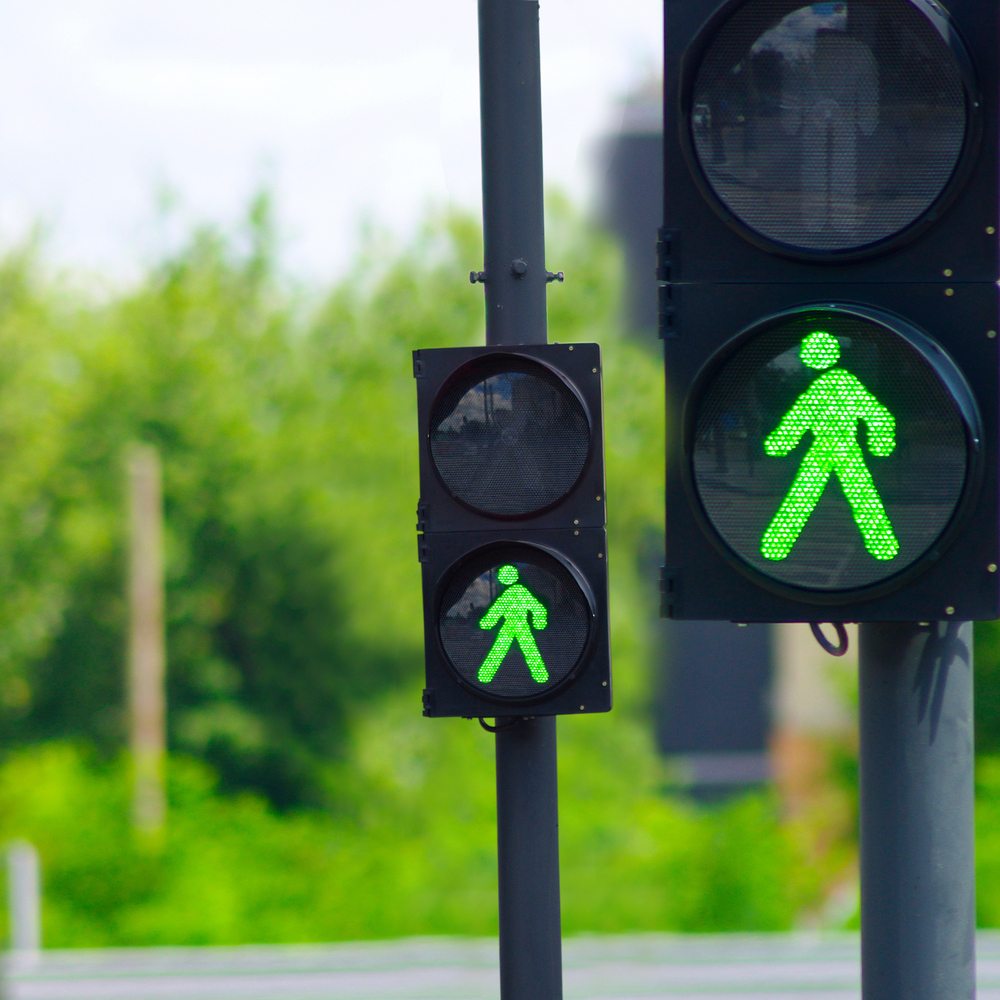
(571, 531)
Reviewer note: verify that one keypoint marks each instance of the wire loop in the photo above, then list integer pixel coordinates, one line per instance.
(506, 724)
(838, 627)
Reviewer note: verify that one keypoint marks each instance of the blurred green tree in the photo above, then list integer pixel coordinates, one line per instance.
(205, 361)
(285, 421)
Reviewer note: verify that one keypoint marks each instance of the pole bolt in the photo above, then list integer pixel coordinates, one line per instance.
(519, 267)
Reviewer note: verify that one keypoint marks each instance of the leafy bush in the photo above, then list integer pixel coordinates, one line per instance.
(413, 852)
(286, 426)
(308, 798)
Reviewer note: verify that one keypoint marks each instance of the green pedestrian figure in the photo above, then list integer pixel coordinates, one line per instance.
(521, 611)
(830, 409)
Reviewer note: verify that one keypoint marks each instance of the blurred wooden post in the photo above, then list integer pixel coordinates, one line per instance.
(146, 656)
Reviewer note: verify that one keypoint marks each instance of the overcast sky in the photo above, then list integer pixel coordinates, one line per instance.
(345, 110)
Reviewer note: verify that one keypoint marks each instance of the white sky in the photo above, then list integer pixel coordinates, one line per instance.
(345, 110)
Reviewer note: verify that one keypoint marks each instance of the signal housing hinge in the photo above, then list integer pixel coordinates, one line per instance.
(664, 254)
(668, 591)
(664, 275)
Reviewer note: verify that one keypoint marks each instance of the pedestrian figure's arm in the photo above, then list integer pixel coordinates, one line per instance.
(539, 616)
(881, 426)
(494, 613)
(793, 425)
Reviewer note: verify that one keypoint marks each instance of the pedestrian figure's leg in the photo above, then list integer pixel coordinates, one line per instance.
(529, 649)
(496, 655)
(866, 505)
(796, 509)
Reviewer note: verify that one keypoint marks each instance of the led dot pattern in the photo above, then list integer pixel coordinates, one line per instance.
(509, 442)
(828, 127)
(514, 624)
(829, 451)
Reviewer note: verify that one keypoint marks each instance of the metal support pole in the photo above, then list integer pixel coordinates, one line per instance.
(515, 278)
(528, 861)
(510, 95)
(917, 839)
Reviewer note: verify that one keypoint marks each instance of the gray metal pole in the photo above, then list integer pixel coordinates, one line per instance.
(515, 278)
(510, 94)
(917, 840)
(528, 861)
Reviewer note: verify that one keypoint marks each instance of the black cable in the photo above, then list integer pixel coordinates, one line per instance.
(838, 627)
(506, 724)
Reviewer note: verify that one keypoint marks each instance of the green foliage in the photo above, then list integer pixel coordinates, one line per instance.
(411, 852)
(986, 657)
(286, 431)
(287, 435)
(207, 361)
(308, 798)
(988, 841)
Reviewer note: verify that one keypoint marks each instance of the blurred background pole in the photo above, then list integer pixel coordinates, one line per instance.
(917, 840)
(24, 900)
(146, 655)
(515, 279)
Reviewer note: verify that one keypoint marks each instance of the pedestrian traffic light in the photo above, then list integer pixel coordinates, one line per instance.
(829, 308)
(512, 522)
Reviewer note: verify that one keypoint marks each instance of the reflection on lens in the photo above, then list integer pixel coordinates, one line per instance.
(510, 442)
(828, 126)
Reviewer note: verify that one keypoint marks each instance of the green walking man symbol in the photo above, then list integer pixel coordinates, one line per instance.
(521, 612)
(831, 409)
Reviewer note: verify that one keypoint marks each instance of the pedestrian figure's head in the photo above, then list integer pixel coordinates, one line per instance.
(820, 350)
(507, 575)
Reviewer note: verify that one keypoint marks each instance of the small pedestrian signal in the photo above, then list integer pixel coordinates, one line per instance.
(520, 612)
(511, 521)
(515, 624)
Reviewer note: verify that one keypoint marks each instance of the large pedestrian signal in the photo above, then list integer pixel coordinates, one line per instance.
(513, 530)
(829, 308)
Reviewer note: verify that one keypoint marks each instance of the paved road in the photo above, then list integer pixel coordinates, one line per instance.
(730, 967)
